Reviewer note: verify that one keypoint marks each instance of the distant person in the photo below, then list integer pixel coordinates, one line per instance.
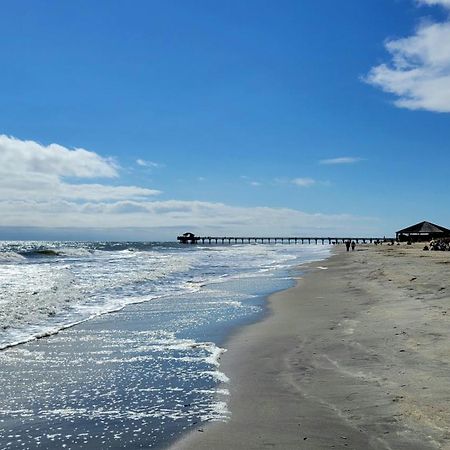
(353, 245)
(347, 245)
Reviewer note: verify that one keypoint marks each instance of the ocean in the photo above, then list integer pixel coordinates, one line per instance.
(118, 345)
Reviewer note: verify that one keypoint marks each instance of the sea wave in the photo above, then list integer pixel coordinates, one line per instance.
(6, 257)
(47, 287)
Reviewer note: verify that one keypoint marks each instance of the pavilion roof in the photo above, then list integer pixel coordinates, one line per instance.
(425, 227)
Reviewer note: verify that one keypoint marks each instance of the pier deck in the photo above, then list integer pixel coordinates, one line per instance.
(189, 238)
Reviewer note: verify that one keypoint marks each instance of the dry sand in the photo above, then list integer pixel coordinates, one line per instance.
(356, 356)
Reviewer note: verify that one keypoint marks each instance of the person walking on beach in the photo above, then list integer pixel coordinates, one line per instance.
(353, 245)
(347, 245)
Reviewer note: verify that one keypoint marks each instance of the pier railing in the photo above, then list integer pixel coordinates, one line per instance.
(189, 238)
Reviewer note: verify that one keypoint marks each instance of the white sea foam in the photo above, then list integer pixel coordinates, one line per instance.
(41, 295)
(219, 412)
(216, 375)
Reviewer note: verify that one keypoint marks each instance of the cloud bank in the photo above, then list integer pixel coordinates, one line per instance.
(196, 216)
(46, 188)
(419, 70)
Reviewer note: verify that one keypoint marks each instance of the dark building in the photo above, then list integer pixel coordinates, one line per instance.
(423, 231)
(187, 238)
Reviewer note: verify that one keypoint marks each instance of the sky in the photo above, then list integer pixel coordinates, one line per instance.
(142, 120)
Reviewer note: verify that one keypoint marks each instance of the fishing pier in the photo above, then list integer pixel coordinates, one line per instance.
(190, 238)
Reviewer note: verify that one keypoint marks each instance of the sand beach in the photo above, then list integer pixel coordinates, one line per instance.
(356, 356)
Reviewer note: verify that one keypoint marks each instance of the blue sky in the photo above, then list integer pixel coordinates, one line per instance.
(144, 119)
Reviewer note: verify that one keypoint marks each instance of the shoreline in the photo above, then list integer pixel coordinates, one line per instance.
(343, 359)
(141, 377)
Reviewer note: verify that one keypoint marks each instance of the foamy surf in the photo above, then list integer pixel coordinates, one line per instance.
(48, 287)
(142, 363)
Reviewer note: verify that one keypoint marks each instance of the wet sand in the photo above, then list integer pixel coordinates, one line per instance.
(356, 356)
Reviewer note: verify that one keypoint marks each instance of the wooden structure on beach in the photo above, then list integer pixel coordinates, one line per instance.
(422, 231)
(190, 238)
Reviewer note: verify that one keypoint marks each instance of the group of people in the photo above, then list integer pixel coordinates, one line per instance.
(439, 244)
(349, 244)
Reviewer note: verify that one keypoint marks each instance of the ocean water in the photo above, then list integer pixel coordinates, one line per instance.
(133, 333)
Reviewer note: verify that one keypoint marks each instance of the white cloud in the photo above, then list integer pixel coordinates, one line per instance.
(250, 182)
(444, 3)
(303, 182)
(18, 156)
(31, 171)
(340, 160)
(14, 186)
(150, 164)
(99, 192)
(419, 70)
(200, 217)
